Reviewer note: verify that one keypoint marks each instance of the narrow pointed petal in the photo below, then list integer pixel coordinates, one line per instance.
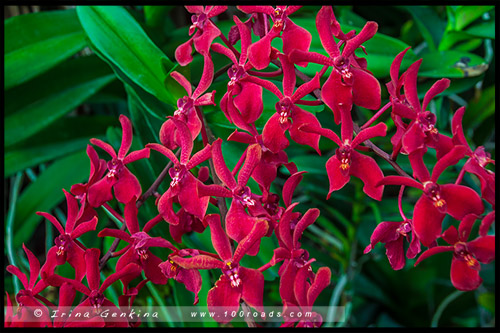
(289, 76)
(432, 251)
(326, 132)
(260, 51)
(130, 214)
(384, 232)
(414, 247)
(191, 278)
(400, 180)
(219, 239)
(104, 146)
(378, 130)
(452, 158)
(365, 168)
(461, 201)
(324, 19)
(368, 31)
(126, 136)
(306, 88)
(287, 282)
(464, 277)
(285, 232)
(34, 267)
(76, 258)
(117, 233)
(466, 225)
(84, 227)
(20, 275)
(220, 165)
(258, 231)
(181, 79)
(321, 281)
(299, 56)
(290, 185)
(130, 270)
(165, 151)
(252, 287)
(253, 157)
(136, 155)
(53, 220)
(437, 88)
(486, 223)
(202, 42)
(183, 52)
(396, 64)
(273, 135)
(306, 220)
(427, 221)
(420, 171)
(198, 262)
(208, 73)
(92, 262)
(72, 205)
(264, 84)
(457, 129)
(410, 85)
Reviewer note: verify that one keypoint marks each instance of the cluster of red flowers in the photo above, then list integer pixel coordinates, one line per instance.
(238, 231)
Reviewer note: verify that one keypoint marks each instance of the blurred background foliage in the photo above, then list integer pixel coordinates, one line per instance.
(69, 73)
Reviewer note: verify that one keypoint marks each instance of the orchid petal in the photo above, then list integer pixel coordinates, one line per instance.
(181, 79)
(365, 168)
(464, 277)
(273, 135)
(427, 220)
(290, 185)
(461, 200)
(127, 186)
(252, 287)
(220, 165)
(336, 177)
(258, 231)
(306, 220)
(365, 89)
(437, 88)
(483, 248)
(104, 146)
(219, 239)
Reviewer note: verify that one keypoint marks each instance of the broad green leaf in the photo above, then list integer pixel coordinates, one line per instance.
(431, 26)
(487, 300)
(46, 192)
(155, 14)
(36, 42)
(50, 97)
(452, 64)
(465, 15)
(483, 30)
(122, 40)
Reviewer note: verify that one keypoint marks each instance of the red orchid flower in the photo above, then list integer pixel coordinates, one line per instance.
(80, 191)
(126, 301)
(95, 292)
(184, 185)
(486, 223)
(67, 248)
(289, 231)
(30, 296)
(137, 251)
(190, 277)
(236, 282)
(465, 265)
(393, 235)
(349, 82)
(293, 36)
(267, 169)
(421, 131)
(187, 105)
(242, 103)
(348, 162)
(66, 297)
(478, 159)
(238, 222)
(288, 115)
(124, 183)
(306, 294)
(438, 200)
(205, 33)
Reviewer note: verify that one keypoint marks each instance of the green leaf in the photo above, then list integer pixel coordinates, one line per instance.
(429, 23)
(51, 96)
(483, 30)
(487, 301)
(36, 42)
(46, 192)
(465, 15)
(118, 36)
(452, 64)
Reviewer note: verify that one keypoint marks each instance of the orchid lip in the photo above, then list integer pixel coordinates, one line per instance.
(232, 273)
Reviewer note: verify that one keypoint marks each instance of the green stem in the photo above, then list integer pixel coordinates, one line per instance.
(16, 184)
(450, 298)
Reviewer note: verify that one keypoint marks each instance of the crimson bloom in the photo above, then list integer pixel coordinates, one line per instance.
(29, 296)
(349, 82)
(236, 282)
(137, 251)
(238, 222)
(347, 161)
(124, 183)
(184, 185)
(438, 200)
(288, 115)
(465, 265)
(187, 105)
(306, 292)
(205, 33)
(95, 292)
(293, 36)
(478, 159)
(242, 102)
(67, 248)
